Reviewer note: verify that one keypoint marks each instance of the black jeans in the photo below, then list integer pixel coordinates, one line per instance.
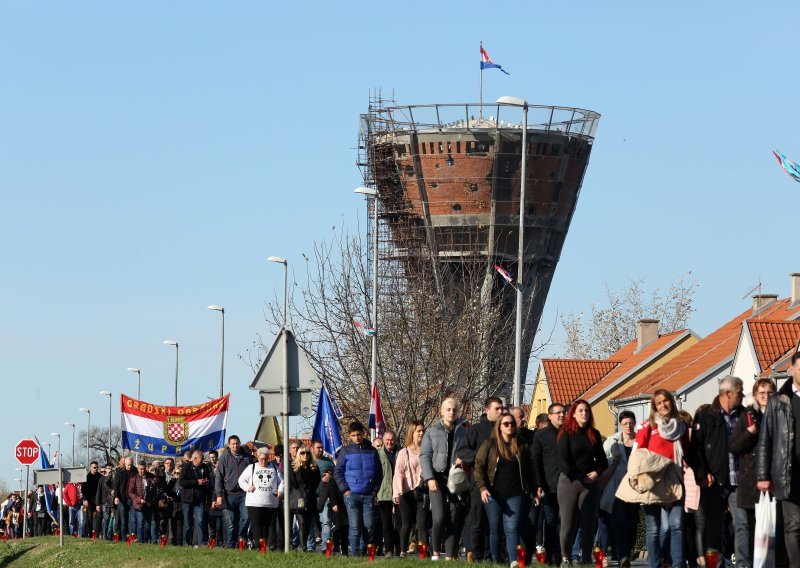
(412, 512)
(713, 504)
(448, 512)
(260, 520)
(552, 527)
(388, 528)
(625, 518)
(478, 525)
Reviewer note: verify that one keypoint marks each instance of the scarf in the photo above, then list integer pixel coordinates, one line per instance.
(672, 430)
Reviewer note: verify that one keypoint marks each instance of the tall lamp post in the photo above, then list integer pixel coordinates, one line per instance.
(88, 430)
(108, 394)
(514, 101)
(285, 393)
(60, 493)
(139, 381)
(374, 194)
(20, 470)
(221, 310)
(175, 343)
(72, 463)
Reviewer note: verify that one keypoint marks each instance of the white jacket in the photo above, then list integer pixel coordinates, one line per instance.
(268, 482)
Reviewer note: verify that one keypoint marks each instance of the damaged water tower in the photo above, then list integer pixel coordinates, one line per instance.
(448, 178)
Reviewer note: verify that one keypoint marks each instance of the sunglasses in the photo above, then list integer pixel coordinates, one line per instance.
(508, 424)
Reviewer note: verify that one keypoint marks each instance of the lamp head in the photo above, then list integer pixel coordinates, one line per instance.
(170, 342)
(366, 191)
(278, 259)
(84, 410)
(133, 370)
(69, 424)
(216, 308)
(56, 434)
(105, 393)
(513, 101)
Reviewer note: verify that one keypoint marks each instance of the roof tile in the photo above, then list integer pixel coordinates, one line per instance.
(568, 379)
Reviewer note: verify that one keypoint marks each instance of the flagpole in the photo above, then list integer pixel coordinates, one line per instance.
(480, 109)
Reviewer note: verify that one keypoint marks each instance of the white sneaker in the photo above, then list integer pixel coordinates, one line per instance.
(515, 564)
(434, 557)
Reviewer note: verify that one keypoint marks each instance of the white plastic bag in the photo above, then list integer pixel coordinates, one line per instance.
(764, 539)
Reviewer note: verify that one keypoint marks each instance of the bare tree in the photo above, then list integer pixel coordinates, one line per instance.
(98, 445)
(612, 326)
(431, 344)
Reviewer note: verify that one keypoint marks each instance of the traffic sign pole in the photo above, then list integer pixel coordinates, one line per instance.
(25, 503)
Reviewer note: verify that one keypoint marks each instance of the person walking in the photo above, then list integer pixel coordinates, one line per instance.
(407, 492)
(358, 475)
(263, 487)
(547, 465)
(438, 455)
(230, 496)
(304, 479)
(195, 483)
(665, 434)
(388, 456)
(322, 517)
(716, 469)
(582, 461)
(778, 457)
(503, 475)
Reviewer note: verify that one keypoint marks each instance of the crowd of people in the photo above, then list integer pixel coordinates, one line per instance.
(489, 490)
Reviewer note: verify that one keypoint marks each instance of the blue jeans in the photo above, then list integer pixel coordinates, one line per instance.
(75, 520)
(552, 527)
(360, 512)
(108, 527)
(741, 532)
(137, 523)
(506, 516)
(664, 532)
(194, 517)
(144, 520)
(236, 517)
(325, 521)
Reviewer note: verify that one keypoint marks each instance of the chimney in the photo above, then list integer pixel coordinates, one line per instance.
(795, 288)
(647, 331)
(760, 301)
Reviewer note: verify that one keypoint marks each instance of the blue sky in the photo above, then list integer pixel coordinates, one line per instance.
(153, 155)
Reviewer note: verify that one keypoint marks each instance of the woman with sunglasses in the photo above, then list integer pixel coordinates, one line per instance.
(503, 470)
(582, 461)
(304, 479)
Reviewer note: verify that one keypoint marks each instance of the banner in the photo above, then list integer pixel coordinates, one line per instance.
(171, 430)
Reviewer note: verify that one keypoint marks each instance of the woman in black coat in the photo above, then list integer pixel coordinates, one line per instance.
(743, 443)
(304, 479)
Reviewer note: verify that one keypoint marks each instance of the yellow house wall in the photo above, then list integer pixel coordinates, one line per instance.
(541, 398)
(604, 420)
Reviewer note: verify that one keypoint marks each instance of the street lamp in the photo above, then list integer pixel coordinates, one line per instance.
(139, 383)
(88, 429)
(20, 470)
(514, 101)
(60, 491)
(221, 310)
(108, 394)
(175, 343)
(73, 441)
(374, 194)
(285, 392)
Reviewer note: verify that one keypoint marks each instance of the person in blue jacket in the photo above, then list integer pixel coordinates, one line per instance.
(358, 475)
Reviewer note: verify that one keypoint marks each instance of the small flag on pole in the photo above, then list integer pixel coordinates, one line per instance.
(326, 426)
(504, 273)
(367, 331)
(487, 63)
(376, 413)
(788, 166)
(49, 490)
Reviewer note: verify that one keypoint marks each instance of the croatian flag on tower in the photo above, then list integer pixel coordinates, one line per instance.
(376, 421)
(171, 430)
(487, 63)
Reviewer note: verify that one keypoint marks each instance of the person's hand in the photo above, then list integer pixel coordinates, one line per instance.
(219, 501)
(251, 488)
(396, 500)
(764, 486)
(335, 508)
(709, 480)
(347, 492)
(540, 492)
(458, 461)
(591, 477)
(485, 496)
(753, 429)
(326, 477)
(433, 486)
(86, 503)
(97, 508)
(116, 500)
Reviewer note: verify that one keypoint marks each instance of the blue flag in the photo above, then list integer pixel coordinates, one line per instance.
(326, 426)
(49, 490)
(487, 63)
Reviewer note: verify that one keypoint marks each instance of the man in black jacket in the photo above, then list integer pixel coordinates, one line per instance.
(546, 464)
(477, 519)
(778, 457)
(121, 496)
(196, 483)
(717, 470)
(91, 522)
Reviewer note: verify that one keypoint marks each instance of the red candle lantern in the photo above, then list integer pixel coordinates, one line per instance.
(422, 548)
(521, 556)
(163, 540)
(262, 545)
(371, 552)
(116, 537)
(241, 544)
(75, 534)
(541, 554)
(94, 535)
(328, 548)
(598, 555)
(712, 558)
(212, 543)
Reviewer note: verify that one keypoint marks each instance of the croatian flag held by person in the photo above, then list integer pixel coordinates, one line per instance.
(171, 430)
(326, 425)
(505, 274)
(487, 63)
(49, 490)
(376, 413)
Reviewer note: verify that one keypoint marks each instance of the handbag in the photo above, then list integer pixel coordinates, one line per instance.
(457, 481)
(764, 538)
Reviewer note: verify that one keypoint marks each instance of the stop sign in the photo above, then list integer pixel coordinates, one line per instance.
(27, 452)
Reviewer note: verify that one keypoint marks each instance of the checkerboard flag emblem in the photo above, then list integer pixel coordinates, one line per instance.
(176, 430)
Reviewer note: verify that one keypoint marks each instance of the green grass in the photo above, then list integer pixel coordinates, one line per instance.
(44, 551)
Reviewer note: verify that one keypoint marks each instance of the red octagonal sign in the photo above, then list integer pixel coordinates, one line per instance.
(27, 452)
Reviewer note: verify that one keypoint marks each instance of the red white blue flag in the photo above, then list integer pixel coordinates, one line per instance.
(171, 430)
(376, 421)
(487, 63)
(788, 166)
(367, 331)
